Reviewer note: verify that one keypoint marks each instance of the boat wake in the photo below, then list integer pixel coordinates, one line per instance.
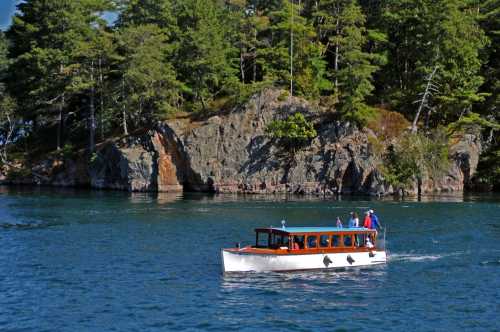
(32, 224)
(417, 257)
(488, 263)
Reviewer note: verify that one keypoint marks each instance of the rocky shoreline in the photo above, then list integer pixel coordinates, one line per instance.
(231, 153)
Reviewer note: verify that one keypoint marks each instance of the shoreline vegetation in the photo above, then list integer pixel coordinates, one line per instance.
(307, 97)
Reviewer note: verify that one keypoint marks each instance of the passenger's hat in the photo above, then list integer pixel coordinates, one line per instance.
(371, 211)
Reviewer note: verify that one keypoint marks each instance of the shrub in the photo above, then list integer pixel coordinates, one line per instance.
(470, 122)
(293, 131)
(68, 151)
(415, 156)
(388, 125)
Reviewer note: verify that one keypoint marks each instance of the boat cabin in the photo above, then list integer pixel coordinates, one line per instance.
(314, 239)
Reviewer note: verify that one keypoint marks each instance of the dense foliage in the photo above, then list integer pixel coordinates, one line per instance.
(416, 156)
(69, 76)
(292, 131)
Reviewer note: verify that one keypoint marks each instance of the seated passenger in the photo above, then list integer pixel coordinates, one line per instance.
(296, 246)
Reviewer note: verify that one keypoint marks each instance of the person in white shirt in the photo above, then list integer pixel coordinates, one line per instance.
(353, 220)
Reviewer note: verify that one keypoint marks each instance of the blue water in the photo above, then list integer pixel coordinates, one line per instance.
(108, 261)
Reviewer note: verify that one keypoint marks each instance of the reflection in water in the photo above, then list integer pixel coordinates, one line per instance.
(159, 198)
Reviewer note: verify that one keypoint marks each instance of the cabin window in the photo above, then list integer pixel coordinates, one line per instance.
(324, 241)
(298, 241)
(262, 240)
(312, 241)
(335, 240)
(282, 241)
(347, 240)
(279, 241)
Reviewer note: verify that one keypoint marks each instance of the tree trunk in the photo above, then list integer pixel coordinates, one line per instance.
(60, 123)
(92, 124)
(124, 110)
(6, 142)
(337, 49)
(423, 102)
(242, 64)
(255, 56)
(101, 100)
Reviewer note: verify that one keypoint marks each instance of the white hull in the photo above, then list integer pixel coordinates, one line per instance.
(240, 261)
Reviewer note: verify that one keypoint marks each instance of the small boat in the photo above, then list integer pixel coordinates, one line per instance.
(306, 248)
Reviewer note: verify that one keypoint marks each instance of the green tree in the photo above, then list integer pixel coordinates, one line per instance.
(206, 61)
(141, 12)
(489, 19)
(43, 37)
(89, 61)
(415, 156)
(294, 131)
(341, 27)
(150, 90)
(294, 57)
(424, 35)
(7, 105)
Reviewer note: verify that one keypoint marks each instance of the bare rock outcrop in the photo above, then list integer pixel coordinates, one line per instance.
(231, 153)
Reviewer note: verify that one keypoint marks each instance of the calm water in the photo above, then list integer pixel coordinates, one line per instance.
(91, 261)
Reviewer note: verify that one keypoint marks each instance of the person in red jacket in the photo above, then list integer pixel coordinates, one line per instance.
(368, 221)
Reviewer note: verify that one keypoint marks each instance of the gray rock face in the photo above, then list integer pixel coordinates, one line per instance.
(464, 160)
(234, 154)
(128, 166)
(231, 153)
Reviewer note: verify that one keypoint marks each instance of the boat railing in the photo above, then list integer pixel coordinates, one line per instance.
(381, 239)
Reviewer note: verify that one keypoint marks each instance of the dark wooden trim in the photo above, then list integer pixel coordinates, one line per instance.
(266, 251)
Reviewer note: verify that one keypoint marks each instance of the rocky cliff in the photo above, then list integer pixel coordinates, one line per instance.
(231, 153)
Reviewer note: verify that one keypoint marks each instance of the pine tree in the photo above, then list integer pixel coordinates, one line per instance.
(294, 58)
(90, 56)
(8, 118)
(141, 12)
(43, 36)
(340, 25)
(490, 21)
(206, 61)
(426, 34)
(150, 88)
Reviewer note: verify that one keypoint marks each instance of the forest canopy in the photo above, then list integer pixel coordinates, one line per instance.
(68, 76)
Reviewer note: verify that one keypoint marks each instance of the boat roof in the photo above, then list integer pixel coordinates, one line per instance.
(313, 229)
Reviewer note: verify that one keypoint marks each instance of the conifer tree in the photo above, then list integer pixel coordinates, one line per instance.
(294, 57)
(150, 90)
(206, 60)
(426, 34)
(490, 21)
(340, 25)
(90, 56)
(43, 36)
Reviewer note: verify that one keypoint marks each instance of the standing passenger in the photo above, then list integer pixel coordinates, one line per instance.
(356, 219)
(368, 221)
(339, 223)
(375, 222)
(351, 220)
